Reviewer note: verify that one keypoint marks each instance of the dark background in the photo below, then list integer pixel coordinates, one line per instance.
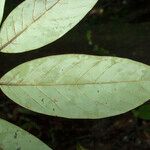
(113, 28)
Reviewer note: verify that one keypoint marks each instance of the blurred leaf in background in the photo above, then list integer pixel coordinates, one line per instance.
(142, 112)
(80, 147)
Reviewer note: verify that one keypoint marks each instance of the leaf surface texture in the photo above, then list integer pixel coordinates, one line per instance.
(35, 23)
(14, 138)
(2, 3)
(78, 86)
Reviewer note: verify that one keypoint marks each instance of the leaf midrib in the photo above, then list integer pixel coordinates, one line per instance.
(72, 84)
(19, 33)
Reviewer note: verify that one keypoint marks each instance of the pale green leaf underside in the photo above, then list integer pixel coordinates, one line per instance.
(35, 23)
(14, 138)
(78, 86)
(2, 3)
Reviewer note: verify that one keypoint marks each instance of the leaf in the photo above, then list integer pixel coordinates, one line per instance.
(14, 138)
(78, 86)
(2, 3)
(36, 23)
(80, 147)
(143, 112)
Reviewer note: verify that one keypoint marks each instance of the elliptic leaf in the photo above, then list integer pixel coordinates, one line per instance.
(79, 86)
(2, 3)
(35, 23)
(14, 138)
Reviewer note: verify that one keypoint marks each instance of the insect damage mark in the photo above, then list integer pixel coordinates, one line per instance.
(16, 134)
(19, 148)
(42, 100)
(1, 147)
